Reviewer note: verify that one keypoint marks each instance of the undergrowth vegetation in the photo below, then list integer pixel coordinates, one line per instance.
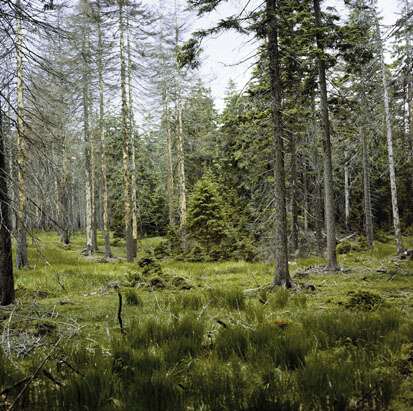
(210, 338)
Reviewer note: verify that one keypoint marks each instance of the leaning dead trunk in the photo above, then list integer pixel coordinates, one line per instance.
(282, 275)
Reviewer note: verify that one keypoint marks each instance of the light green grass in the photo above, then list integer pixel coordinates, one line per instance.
(213, 346)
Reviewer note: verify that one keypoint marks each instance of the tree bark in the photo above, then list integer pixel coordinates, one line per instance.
(181, 156)
(318, 215)
(346, 191)
(293, 197)
(86, 134)
(282, 275)
(132, 143)
(106, 228)
(92, 174)
(368, 215)
(21, 246)
(393, 187)
(330, 217)
(6, 259)
(125, 144)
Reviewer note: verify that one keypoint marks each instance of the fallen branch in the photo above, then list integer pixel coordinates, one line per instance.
(120, 313)
(35, 374)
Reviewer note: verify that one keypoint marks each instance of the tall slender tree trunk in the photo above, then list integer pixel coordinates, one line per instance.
(305, 195)
(181, 156)
(282, 275)
(346, 190)
(393, 187)
(86, 134)
(168, 143)
(6, 259)
(21, 247)
(293, 197)
(166, 119)
(330, 217)
(65, 231)
(318, 201)
(368, 215)
(130, 248)
(106, 228)
(92, 174)
(132, 144)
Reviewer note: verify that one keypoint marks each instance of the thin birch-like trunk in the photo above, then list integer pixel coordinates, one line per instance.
(330, 218)
(106, 228)
(21, 246)
(282, 275)
(392, 172)
(125, 144)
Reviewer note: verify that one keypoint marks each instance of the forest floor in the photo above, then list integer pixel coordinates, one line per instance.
(206, 335)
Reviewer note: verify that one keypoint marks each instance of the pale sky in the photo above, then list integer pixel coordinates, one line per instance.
(223, 54)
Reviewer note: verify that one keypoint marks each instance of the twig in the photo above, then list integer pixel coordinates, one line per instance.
(120, 313)
(107, 327)
(50, 377)
(35, 374)
(73, 369)
(203, 309)
(253, 276)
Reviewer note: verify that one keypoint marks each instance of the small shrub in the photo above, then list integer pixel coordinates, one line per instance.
(365, 301)
(149, 265)
(132, 298)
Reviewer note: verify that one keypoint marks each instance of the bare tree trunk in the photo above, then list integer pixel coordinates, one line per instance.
(86, 133)
(181, 156)
(6, 259)
(21, 247)
(293, 197)
(171, 200)
(93, 175)
(346, 191)
(368, 215)
(393, 188)
(125, 143)
(305, 194)
(65, 236)
(168, 137)
(282, 275)
(106, 228)
(318, 215)
(132, 143)
(328, 168)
